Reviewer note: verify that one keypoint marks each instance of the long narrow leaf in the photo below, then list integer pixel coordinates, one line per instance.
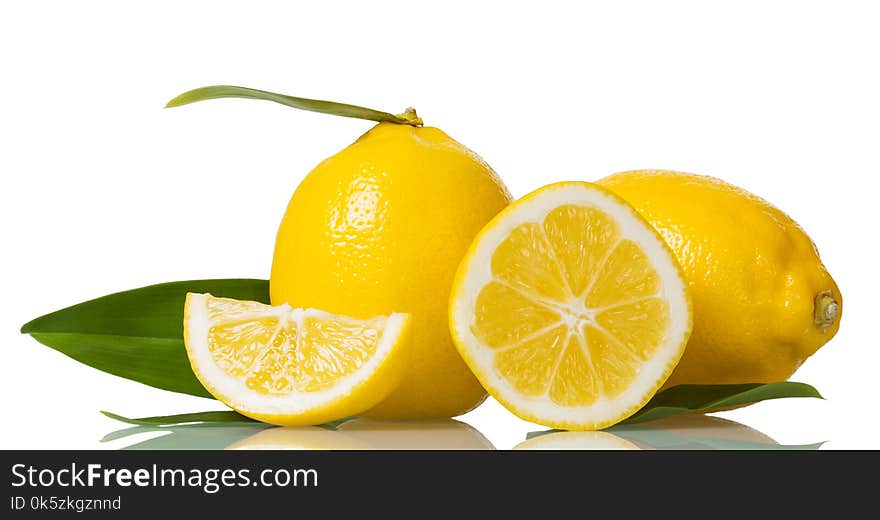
(312, 105)
(157, 362)
(138, 334)
(226, 416)
(222, 417)
(707, 398)
(698, 399)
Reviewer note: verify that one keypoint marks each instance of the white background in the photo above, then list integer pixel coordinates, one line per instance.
(103, 190)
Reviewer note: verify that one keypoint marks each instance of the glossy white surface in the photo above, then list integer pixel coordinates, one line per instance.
(104, 191)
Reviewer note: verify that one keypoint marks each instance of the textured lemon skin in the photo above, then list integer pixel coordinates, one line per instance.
(753, 274)
(380, 227)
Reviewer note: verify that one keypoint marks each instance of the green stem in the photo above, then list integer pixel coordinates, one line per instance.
(408, 117)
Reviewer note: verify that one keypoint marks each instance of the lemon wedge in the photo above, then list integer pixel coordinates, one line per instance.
(290, 366)
(569, 308)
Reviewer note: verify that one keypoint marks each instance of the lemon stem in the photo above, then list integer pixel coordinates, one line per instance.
(410, 117)
(826, 310)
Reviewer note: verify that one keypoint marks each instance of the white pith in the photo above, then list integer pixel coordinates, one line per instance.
(478, 272)
(233, 390)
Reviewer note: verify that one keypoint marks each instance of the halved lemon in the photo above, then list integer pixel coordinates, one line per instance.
(290, 366)
(569, 308)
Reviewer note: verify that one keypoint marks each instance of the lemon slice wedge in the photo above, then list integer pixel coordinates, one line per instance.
(569, 308)
(290, 366)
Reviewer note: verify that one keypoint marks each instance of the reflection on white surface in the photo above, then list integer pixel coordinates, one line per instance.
(298, 438)
(205, 436)
(681, 432)
(445, 434)
(576, 441)
(355, 434)
(366, 434)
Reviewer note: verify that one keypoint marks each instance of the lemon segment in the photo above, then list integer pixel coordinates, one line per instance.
(290, 366)
(569, 308)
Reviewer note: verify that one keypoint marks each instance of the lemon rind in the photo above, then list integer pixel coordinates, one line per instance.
(473, 275)
(235, 393)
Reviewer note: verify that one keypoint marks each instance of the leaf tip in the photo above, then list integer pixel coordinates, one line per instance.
(175, 102)
(187, 97)
(113, 416)
(810, 391)
(27, 327)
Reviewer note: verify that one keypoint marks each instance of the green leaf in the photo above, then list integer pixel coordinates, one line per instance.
(223, 417)
(707, 398)
(138, 334)
(193, 431)
(226, 416)
(157, 362)
(313, 105)
(698, 399)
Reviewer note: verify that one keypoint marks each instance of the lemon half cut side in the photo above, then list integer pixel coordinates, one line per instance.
(289, 366)
(570, 309)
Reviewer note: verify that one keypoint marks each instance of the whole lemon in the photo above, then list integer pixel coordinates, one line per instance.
(381, 227)
(763, 302)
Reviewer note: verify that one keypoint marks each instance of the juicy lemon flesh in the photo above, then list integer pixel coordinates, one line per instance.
(276, 355)
(273, 357)
(573, 309)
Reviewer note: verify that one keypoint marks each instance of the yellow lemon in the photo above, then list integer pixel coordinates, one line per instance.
(570, 308)
(763, 301)
(289, 366)
(380, 227)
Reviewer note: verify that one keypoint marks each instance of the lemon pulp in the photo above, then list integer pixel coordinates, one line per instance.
(573, 309)
(292, 366)
(297, 350)
(564, 308)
